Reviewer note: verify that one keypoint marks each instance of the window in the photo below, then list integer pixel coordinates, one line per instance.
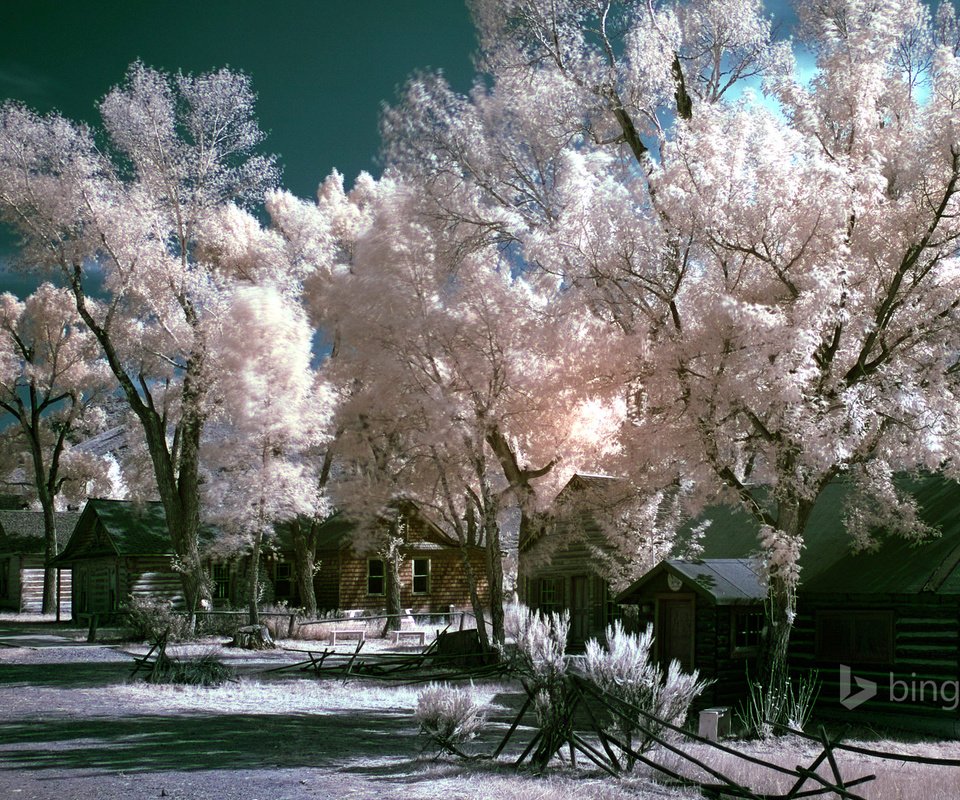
(421, 575)
(282, 585)
(747, 632)
(220, 573)
(375, 576)
(855, 637)
(551, 590)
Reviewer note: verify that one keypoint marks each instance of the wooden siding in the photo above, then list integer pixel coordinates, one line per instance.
(31, 586)
(326, 581)
(448, 582)
(926, 648)
(102, 585)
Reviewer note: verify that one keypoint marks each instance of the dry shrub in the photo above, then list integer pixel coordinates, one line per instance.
(149, 618)
(204, 670)
(449, 715)
(625, 671)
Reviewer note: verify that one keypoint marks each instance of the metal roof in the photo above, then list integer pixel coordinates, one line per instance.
(727, 581)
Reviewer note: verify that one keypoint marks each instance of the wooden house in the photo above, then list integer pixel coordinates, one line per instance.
(707, 615)
(120, 549)
(432, 573)
(564, 564)
(880, 628)
(23, 556)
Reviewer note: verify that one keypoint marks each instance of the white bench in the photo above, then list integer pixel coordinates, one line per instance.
(359, 633)
(421, 636)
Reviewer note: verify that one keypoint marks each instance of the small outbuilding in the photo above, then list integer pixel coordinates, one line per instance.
(707, 615)
(120, 549)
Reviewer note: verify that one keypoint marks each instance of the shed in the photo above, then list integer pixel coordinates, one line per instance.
(120, 549)
(707, 615)
(23, 555)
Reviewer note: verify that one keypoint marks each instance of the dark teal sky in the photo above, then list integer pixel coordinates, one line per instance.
(321, 68)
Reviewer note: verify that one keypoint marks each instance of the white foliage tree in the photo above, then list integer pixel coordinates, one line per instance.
(52, 380)
(781, 276)
(273, 411)
(132, 204)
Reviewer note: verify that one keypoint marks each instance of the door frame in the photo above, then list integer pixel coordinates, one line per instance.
(687, 597)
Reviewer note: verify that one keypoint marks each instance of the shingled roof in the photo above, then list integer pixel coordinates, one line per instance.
(119, 527)
(21, 531)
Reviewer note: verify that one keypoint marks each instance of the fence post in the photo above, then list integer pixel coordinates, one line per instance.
(92, 632)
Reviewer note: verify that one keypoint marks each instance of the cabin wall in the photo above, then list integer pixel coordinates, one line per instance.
(919, 686)
(150, 576)
(10, 582)
(447, 584)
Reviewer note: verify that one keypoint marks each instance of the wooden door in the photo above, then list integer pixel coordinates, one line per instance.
(675, 632)
(579, 608)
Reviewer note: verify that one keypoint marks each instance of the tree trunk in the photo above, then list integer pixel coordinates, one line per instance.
(392, 565)
(51, 549)
(304, 564)
(494, 554)
(253, 585)
(176, 468)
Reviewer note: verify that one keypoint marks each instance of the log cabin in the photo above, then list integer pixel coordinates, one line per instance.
(23, 556)
(120, 549)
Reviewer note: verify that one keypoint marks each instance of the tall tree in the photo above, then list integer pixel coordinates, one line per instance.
(781, 274)
(52, 378)
(126, 209)
(272, 411)
(460, 369)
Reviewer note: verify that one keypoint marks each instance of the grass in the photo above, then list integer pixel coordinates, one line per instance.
(498, 781)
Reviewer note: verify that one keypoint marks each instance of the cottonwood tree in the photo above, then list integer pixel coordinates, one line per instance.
(273, 410)
(125, 209)
(461, 361)
(781, 274)
(52, 380)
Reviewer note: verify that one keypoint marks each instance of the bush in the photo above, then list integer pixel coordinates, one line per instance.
(625, 671)
(449, 716)
(205, 670)
(149, 618)
(540, 656)
(786, 703)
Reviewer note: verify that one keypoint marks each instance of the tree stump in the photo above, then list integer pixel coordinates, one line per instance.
(253, 637)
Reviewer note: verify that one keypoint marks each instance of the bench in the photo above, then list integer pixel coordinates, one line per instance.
(421, 636)
(359, 633)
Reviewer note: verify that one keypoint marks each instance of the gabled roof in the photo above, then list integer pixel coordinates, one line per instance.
(337, 531)
(119, 527)
(727, 581)
(22, 531)
(900, 566)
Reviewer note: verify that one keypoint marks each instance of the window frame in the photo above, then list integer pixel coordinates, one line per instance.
(221, 582)
(415, 576)
(382, 577)
(750, 648)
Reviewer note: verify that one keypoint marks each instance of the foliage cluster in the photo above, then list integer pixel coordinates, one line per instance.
(204, 670)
